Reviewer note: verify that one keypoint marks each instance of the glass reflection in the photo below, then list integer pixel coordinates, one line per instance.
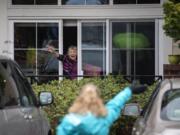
(47, 32)
(24, 35)
(93, 35)
(47, 2)
(31, 40)
(84, 2)
(46, 63)
(94, 48)
(96, 2)
(22, 2)
(26, 59)
(73, 2)
(133, 45)
(32, 2)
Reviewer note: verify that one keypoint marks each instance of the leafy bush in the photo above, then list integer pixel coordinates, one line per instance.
(65, 92)
(171, 10)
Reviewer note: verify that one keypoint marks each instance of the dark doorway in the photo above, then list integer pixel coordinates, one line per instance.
(69, 37)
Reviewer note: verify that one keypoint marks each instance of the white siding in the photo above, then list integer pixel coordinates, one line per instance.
(85, 12)
(3, 26)
(165, 47)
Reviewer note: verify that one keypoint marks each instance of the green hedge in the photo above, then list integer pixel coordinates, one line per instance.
(65, 91)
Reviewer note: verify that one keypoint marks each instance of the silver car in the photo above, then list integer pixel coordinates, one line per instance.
(161, 116)
(20, 111)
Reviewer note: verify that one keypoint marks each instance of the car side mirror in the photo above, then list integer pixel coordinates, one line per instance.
(132, 109)
(45, 98)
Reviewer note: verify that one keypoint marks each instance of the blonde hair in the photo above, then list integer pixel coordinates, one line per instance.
(89, 101)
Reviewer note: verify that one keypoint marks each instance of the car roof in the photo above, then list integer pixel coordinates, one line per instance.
(172, 83)
(157, 124)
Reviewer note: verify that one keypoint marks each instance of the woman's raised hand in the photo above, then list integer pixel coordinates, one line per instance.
(51, 49)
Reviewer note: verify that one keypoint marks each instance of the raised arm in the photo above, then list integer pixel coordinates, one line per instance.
(52, 50)
(115, 105)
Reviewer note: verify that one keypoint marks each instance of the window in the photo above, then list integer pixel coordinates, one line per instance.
(9, 95)
(27, 97)
(133, 45)
(94, 48)
(30, 44)
(34, 2)
(85, 2)
(136, 1)
(170, 109)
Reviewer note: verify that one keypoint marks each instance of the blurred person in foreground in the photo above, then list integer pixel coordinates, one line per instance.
(89, 116)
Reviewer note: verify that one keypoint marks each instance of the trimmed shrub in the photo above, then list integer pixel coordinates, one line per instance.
(65, 92)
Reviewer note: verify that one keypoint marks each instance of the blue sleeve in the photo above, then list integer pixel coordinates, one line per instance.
(68, 126)
(115, 105)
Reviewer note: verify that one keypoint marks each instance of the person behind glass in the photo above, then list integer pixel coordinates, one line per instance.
(69, 61)
(89, 116)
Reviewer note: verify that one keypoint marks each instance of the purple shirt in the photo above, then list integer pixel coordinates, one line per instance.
(69, 66)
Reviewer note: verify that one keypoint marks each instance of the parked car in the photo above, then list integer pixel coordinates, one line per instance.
(20, 110)
(161, 116)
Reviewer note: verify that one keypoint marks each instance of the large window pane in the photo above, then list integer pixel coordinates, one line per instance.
(170, 109)
(94, 48)
(84, 2)
(47, 64)
(31, 40)
(133, 45)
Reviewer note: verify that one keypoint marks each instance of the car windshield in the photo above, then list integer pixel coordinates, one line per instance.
(8, 88)
(170, 108)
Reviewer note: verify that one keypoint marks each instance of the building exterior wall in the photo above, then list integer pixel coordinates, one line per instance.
(9, 13)
(165, 47)
(85, 12)
(3, 26)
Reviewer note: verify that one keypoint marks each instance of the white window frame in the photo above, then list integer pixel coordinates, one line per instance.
(79, 44)
(59, 3)
(79, 38)
(156, 40)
